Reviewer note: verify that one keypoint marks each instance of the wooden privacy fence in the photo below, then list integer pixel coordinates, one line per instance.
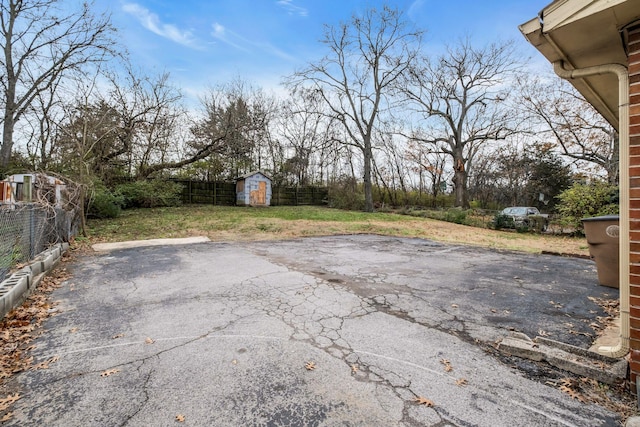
(209, 193)
(297, 196)
(224, 193)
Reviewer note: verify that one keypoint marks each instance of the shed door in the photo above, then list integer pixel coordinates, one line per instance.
(259, 197)
(262, 193)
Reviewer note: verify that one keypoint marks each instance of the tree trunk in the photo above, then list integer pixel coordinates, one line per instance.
(368, 193)
(7, 137)
(460, 183)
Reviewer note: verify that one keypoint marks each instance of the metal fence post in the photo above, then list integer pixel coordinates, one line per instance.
(32, 231)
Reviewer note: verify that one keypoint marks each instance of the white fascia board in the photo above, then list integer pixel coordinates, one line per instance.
(561, 13)
(530, 27)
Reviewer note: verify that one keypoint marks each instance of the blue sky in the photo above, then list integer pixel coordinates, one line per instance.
(202, 43)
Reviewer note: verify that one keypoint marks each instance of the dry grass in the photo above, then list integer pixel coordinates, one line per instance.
(276, 223)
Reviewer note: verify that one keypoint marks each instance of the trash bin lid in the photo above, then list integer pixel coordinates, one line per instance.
(602, 218)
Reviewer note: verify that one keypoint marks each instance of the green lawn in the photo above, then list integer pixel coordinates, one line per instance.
(226, 223)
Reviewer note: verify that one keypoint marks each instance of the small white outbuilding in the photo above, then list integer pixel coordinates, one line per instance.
(253, 189)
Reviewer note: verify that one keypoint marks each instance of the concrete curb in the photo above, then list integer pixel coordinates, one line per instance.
(15, 288)
(105, 247)
(567, 357)
(633, 421)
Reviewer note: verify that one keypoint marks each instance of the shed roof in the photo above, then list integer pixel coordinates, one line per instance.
(250, 174)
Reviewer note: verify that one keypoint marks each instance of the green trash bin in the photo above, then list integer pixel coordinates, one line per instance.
(603, 237)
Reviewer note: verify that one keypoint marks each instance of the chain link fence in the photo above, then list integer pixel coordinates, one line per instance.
(28, 229)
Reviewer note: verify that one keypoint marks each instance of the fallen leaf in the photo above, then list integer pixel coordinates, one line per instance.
(73, 330)
(447, 365)
(234, 361)
(45, 364)
(573, 393)
(354, 369)
(310, 366)
(115, 337)
(424, 401)
(461, 382)
(454, 305)
(180, 418)
(149, 341)
(109, 372)
(574, 332)
(6, 417)
(600, 365)
(543, 333)
(567, 382)
(8, 401)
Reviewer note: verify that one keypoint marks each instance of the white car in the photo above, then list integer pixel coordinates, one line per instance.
(520, 215)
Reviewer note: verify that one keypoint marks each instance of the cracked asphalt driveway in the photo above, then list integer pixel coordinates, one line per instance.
(222, 335)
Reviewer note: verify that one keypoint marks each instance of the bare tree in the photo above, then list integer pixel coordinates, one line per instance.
(40, 41)
(393, 167)
(462, 98)
(356, 78)
(149, 113)
(578, 131)
(306, 128)
(120, 124)
(235, 121)
(41, 120)
(430, 166)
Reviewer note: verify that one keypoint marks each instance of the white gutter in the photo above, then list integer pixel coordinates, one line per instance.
(593, 94)
(621, 71)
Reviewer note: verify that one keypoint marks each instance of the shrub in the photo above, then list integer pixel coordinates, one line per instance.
(457, 216)
(584, 201)
(104, 203)
(346, 194)
(501, 221)
(150, 194)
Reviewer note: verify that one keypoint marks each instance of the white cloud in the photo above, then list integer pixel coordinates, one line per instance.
(229, 37)
(151, 22)
(292, 8)
(417, 9)
(241, 43)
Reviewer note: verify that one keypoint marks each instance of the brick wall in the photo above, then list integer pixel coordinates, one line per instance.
(634, 213)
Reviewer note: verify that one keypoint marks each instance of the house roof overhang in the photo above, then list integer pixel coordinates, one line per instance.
(586, 33)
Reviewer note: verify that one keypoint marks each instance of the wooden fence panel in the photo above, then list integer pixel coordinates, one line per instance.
(210, 193)
(299, 196)
(224, 193)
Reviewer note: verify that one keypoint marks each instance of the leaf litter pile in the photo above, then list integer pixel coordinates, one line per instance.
(20, 327)
(587, 390)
